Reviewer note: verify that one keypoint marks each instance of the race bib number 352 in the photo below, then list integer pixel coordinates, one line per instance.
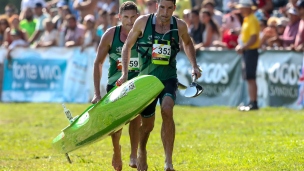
(161, 54)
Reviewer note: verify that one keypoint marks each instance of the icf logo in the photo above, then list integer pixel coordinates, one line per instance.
(119, 49)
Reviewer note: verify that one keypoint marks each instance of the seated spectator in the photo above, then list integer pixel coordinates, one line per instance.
(39, 17)
(211, 33)
(61, 23)
(196, 28)
(28, 23)
(17, 41)
(49, 36)
(289, 36)
(10, 10)
(216, 15)
(103, 23)
(14, 25)
(3, 26)
(74, 33)
(90, 37)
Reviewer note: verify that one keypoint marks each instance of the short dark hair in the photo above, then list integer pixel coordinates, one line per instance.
(195, 10)
(70, 17)
(128, 5)
(174, 1)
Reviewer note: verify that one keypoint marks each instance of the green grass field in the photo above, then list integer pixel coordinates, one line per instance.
(211, 138)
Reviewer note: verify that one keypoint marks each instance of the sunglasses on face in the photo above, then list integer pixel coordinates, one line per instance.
(2, 23)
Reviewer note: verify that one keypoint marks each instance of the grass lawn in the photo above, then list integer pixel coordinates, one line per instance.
(210, 138)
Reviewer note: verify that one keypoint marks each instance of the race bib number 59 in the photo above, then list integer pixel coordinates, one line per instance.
(133, 64)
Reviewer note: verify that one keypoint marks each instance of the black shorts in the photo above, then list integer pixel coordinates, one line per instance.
(109, 87)
(250, 63)
(169, 90)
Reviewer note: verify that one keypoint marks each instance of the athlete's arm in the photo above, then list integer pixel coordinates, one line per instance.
(102, 52)
(134, 33)
(188, 46)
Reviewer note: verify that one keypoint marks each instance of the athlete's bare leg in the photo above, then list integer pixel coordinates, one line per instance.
(134, 139)
(116, 160)
(144, 132)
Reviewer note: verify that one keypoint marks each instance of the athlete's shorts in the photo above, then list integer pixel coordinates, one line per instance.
(250, 63)
(169, 90)
(109, 87)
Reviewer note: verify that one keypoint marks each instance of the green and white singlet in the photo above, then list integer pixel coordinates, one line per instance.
(145, 46)
(115, 59)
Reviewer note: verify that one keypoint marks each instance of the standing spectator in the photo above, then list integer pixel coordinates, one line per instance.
(231, 27)
(150, 7)
(186, 17)
(17, 41)
(10, 10)
(61, 25)
(289, 36)
(31, 4)
(113, 19)
(40, 16)
(264, 9)
(85, 7)
(216, 15)
(229, 5)
(110, 6)
(90, 33)
(14, 24)
(270, 31)
(181, 5)
(25, 4)
(211, 32)
(249, 50)
(74, 33)
(58, 19)
(196, 27)
(3, 26)
(49, 36)
(28, 23)
(299, 42)
(103, 23)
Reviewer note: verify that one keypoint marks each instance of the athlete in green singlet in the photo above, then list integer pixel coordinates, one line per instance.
(111, 44)
(157, 47)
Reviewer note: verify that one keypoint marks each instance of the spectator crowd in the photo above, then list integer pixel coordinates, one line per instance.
(69, 23)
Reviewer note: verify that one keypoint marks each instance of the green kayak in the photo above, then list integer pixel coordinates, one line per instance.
(111, 113)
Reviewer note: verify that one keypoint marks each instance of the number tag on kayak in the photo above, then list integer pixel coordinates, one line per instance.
(161, 52)
(133, 65)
